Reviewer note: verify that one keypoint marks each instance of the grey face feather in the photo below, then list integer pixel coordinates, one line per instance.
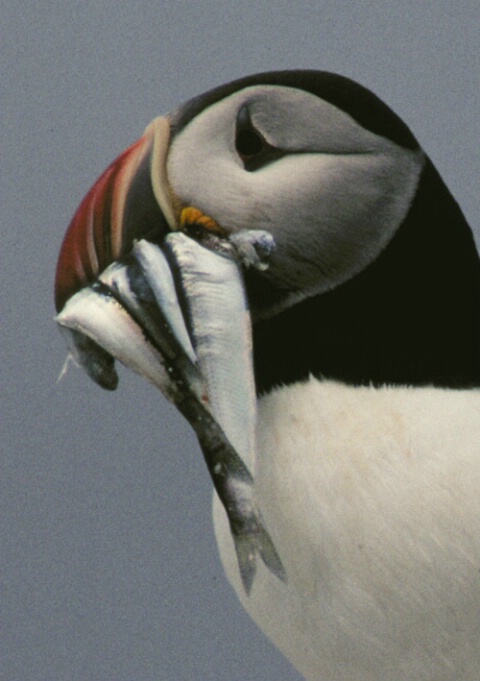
(332, 198)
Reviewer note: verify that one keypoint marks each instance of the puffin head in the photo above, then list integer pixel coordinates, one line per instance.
(375, 276)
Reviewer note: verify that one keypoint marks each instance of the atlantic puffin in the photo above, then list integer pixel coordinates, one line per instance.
(365, 341)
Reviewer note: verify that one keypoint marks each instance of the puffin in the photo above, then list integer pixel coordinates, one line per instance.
(352, 357)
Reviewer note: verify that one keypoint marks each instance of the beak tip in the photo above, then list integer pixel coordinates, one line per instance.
(118, 209)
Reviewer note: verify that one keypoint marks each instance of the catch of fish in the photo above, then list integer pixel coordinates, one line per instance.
(178, 315)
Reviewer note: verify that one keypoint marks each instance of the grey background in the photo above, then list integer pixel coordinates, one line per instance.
(109, 570)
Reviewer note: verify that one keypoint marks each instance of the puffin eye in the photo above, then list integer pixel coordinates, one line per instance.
(251, 146)
(249, 143)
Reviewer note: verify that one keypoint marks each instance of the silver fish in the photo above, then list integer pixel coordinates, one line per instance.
(213, 294)
(202, 363)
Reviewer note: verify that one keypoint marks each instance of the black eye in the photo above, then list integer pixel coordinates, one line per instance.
(248, 143)
(251, 146)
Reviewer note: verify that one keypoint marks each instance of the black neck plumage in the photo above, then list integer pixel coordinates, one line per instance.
(411, 318)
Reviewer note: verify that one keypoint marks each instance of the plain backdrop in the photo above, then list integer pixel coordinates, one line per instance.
(109, 570)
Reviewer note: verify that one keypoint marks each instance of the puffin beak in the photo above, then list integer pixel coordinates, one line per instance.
(130, 201)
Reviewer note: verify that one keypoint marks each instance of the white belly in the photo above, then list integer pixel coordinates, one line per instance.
(372, 498)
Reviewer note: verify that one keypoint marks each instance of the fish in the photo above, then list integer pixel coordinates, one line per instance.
(177, 314)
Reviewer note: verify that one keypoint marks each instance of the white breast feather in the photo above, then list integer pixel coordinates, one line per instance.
(372, 498)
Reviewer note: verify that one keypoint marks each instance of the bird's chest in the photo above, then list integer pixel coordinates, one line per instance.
(372, 498)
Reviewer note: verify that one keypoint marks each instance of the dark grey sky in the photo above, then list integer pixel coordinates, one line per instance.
(109, 570)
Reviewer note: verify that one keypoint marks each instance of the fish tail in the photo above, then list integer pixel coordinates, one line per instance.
(246, 556)
(247, 546)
